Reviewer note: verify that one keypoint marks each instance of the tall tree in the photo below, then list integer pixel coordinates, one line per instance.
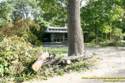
(5, 13)
(100, 18)
(54, 12)
(75, 34)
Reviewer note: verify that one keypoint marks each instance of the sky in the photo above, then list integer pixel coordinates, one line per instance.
(1, 0)
(84, 3)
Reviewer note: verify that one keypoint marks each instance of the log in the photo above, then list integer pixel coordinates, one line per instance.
(65, 60)
(47, 59)
(40, 61)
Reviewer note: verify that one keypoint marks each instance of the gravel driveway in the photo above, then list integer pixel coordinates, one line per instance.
(112, 64)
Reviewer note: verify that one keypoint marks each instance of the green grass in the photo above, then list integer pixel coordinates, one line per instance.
(59, 51)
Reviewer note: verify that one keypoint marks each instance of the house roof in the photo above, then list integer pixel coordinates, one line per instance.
(56, 30)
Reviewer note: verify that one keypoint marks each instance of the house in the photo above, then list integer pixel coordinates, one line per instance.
(55, 35)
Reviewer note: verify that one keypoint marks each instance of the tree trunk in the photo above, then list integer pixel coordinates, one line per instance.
(75, 34)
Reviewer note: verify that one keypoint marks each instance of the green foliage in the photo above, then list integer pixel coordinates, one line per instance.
(100, 17)
(23, 28)
(20, 56)
(106, 29)
(117, 32)
(24, 9)
(15, 56)
(117, 36)
(5, 13)
(54, 11)
(12, 10)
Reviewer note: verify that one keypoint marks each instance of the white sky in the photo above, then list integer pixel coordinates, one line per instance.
(84, 3)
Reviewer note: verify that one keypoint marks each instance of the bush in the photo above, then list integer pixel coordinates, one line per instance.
(15, 56)
(1, 37)
(117, 36)
(23, 28)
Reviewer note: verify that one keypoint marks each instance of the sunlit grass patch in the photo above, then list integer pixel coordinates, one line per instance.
(59, 51)
(107, 79)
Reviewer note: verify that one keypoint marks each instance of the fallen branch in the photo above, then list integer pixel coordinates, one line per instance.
(46, 59)
(40, 61)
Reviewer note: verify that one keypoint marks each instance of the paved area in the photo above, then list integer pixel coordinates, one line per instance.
(112, 64)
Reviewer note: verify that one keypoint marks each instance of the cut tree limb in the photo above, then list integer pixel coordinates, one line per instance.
(46, 59)
(40, 61)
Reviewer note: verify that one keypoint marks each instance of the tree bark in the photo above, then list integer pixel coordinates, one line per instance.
(75, 34)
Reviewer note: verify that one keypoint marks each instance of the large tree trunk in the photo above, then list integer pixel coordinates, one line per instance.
(75, 34)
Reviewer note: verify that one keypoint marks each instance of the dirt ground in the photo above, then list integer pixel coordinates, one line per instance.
(112, 64)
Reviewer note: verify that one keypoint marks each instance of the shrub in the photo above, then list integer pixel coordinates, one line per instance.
(15, 56)
(23, 28)
(117, 36)
(1, 37)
